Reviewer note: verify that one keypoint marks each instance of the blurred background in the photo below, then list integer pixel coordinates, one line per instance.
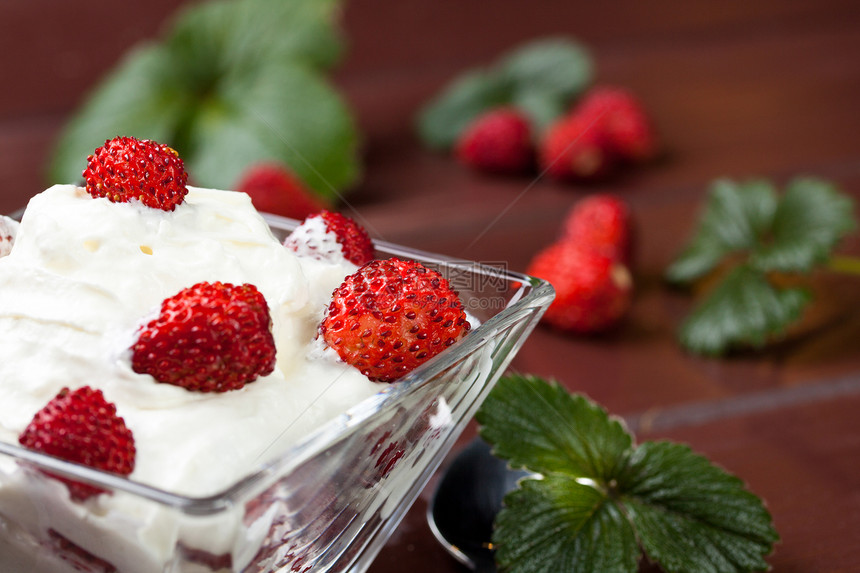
(762, 88)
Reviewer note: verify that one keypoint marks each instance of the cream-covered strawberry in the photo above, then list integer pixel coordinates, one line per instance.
(81, 426)
(331, 236)
(211, 337)
(8, 230)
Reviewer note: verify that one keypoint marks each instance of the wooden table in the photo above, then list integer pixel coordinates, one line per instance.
(760, 88)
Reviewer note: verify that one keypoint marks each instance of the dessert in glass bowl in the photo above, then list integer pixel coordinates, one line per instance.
(306, 461)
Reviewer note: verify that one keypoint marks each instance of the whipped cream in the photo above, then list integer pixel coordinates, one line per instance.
(85, 273)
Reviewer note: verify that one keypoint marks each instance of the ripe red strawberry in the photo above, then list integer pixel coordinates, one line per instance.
(498, 141)
(328, 236)
(81, 426)
(275, 189)
(391, 316)
(603, 223)
(593, 291)
(628, 130)
(125, 169)
(211, 337)
(573, 149)
(8, 230)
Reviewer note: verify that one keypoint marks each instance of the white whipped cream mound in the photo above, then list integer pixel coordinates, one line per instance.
(85, 273)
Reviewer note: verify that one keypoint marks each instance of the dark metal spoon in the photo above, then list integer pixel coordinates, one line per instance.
(466, 502)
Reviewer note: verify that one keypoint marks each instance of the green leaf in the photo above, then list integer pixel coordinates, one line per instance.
(599, 500)
(811, 219)
(735, 218)
(139, 98)
(690, 515)
(234, 82)
(442, 120)
(286, 113)
(552, 66)
(541, 78)
(744, 309)
(540, 426)
(559, 524)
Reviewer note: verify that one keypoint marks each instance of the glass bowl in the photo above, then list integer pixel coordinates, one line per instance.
(327, 504)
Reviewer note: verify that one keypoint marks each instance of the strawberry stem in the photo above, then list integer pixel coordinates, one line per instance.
(844, 264)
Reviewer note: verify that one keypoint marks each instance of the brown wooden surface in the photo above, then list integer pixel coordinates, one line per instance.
(764, 87)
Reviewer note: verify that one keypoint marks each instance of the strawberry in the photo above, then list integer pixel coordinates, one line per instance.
(601, 222)
(627, 129)
(499, 141)
(275, 189)
(82, 427)
(211, 337)
(8, 230)
(391, 316)
(125, 169)
(593, 291)
(331, 236)
(573, 148)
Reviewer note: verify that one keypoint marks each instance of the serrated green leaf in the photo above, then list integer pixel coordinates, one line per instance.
(540, 77)
(744, 309)
(542, 427)
(686, 513)
(690, 515)
(559, 524)
(442, 120)
(811, 218)
(234, 82)
(735, 218)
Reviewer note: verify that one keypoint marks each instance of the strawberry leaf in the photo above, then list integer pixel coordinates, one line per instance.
(540, 426)
(810, 219)
(233, 82)
(690, 515)
(559, 524)
(750, 231)
(735, 219)
(541, 78)
(599, 501)
(744, 308)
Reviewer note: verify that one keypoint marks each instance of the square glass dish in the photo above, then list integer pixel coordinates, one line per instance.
(327, 504)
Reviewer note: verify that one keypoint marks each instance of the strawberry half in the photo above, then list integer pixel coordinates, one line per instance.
(126, 168)
(601, 222)
(499, 141)
(211, 337)
(81, 426)
(592, 291)
(391, 316)
(275, 189)
(331, 236)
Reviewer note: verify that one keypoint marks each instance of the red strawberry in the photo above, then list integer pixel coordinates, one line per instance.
(125, 169)
(498, 141)
(573, 148)
(628, 131)
(391, 316)
(275, 189)
(328, 236)
(8, 230)
(81, 426)
(601, 222)
(593, 291)
(211, 337)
